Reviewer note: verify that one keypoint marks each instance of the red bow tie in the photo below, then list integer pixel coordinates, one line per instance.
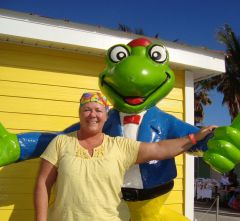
(134, 119)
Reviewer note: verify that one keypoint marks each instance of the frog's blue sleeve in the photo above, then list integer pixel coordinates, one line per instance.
(33, 144)
(181, 129)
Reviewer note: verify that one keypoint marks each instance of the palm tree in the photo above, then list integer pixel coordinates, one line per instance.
(200, 99)
(138, 31)
(227, 83)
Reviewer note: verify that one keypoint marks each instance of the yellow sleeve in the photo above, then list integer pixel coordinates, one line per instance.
(129, 151)
(51, 154)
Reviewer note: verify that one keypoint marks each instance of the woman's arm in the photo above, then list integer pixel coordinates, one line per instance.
(46, 178)
(167, 149)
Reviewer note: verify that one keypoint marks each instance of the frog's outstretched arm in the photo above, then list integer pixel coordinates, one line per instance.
(27, 145)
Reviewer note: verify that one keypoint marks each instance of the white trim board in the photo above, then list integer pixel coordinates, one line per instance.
(189, 160)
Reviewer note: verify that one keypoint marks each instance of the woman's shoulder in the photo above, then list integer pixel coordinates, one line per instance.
(63, 140)
(118, 141)
(67, 135)
(110, 142)
(114, 139)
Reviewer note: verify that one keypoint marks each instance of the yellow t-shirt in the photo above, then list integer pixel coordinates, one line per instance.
(89, 188)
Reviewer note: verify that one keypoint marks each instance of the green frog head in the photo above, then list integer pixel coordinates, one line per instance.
(137, 75)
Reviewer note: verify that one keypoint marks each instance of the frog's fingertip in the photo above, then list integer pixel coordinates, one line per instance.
(3, 130)
(218, 162)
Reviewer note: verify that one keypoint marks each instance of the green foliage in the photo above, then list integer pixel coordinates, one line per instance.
(125, 28)
(227, 83)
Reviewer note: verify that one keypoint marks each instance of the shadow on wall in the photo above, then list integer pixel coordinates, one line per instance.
(16, 190)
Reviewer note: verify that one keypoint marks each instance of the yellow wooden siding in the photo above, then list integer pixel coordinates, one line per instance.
(42, 59)
(39, 91)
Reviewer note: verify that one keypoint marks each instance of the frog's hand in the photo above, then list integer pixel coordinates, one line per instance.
(9, 147)
(224, 148)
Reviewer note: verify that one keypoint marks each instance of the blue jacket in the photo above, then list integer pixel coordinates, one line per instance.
(156, 125)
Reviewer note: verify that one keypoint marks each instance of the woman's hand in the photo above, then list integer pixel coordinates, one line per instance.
(204, 132)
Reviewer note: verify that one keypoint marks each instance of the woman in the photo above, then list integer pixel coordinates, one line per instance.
(89, 166)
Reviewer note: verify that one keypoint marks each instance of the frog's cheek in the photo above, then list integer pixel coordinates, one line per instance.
(114, 98)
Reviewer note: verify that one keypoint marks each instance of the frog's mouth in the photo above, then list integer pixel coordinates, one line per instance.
(133, 100)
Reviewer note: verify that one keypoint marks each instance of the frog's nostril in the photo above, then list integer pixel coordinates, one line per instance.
(168, 76)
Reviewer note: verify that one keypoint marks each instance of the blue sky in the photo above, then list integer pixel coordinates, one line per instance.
(193, 22)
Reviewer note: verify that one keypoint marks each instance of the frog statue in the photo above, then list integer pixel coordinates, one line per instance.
(137, 76)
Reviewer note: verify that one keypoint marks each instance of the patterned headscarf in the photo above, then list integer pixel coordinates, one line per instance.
(94, 97)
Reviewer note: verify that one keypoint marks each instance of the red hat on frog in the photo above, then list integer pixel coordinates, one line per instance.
(139, 42)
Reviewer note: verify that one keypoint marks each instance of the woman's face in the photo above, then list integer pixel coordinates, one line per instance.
(92, 117)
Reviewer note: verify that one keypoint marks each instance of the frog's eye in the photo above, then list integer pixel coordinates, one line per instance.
(118, 53)
(158, 53)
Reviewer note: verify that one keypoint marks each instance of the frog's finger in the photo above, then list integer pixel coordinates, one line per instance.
(218, 162)
(3, 131)
(229, 134)
(236, 122)
(225, 149)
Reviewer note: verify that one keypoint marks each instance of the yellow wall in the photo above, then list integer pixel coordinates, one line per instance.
(39, 91)
(174, 104)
